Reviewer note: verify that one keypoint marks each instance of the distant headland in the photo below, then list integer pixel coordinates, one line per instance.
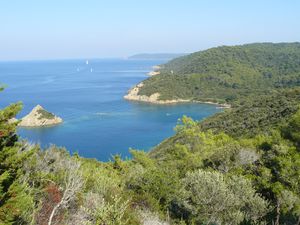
(221, 75)
(160, 56)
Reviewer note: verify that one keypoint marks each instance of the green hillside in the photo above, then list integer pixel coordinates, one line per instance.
(238, 167)
(228, 73)
(254, 116)
(196, 177)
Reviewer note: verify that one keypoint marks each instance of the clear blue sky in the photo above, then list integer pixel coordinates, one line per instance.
(50, 29)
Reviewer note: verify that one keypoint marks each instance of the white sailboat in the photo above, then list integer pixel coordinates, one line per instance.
(87, 62)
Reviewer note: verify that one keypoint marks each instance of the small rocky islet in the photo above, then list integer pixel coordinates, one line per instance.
(39, 117)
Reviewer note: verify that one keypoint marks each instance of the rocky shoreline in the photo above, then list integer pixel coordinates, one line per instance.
(133, 95)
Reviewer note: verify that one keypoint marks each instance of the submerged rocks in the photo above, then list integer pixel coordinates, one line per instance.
(39, 117)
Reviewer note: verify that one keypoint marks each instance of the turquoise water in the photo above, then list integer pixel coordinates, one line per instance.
(98, 122)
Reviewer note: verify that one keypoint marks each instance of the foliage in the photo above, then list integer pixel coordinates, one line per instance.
(241, 166)
(15, 198)
(255, 115)
(228, 73)
(269, 160)
(213, 198)
(250, 118)
(292, 129)
(45, 114)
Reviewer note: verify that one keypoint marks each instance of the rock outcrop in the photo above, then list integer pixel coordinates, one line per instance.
(155, 71)
(133, 95)
(39, 117)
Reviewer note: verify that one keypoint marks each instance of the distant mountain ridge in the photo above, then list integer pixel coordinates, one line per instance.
(166, 56)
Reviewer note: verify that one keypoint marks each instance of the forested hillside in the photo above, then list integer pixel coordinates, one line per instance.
(253, 116)
(238, 167)
(228, 73)
(207, 177)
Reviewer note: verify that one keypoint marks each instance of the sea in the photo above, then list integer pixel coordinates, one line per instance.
(88, 95)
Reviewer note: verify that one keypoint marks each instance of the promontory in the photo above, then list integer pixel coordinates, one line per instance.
(222, 75)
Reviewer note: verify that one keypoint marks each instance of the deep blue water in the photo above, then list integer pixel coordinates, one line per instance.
(98, 122)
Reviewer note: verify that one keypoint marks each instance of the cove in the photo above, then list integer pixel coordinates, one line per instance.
(98, 122)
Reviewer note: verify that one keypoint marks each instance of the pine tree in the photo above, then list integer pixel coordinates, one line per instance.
(15, 199)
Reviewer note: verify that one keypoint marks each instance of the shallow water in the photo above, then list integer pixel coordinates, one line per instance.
(98, 122)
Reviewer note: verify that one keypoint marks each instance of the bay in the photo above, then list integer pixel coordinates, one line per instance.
(98, 122)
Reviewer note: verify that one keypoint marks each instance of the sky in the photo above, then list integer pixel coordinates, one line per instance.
(62, 29)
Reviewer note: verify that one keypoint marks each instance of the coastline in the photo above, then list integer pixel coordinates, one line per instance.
(132, 95)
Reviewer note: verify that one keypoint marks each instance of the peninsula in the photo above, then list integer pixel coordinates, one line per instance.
(222, 75)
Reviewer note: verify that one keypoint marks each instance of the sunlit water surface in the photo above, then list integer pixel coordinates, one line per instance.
(98, 122)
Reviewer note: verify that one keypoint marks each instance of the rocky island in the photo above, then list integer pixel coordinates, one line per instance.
(39, 117)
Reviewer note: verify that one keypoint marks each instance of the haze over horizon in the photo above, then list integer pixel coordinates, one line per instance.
(97, 29)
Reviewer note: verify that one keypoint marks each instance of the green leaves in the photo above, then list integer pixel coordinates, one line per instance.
(238, 167)
(213, 198)
(16, 201)
(185, 123)
(227, 73)
(269, 160)
(7, 125)
(292, 129)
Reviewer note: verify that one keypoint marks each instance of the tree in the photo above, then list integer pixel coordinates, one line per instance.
(8, 126)
(213, 198)
(291, 130)
(61, 174)
(72, 184)
(71, 181)
(16, 201)
(276, 176)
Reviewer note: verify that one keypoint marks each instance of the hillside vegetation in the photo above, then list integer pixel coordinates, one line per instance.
(238, 167)
(253, 116)
(256, 114)
(228, 73)
(205, 178)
